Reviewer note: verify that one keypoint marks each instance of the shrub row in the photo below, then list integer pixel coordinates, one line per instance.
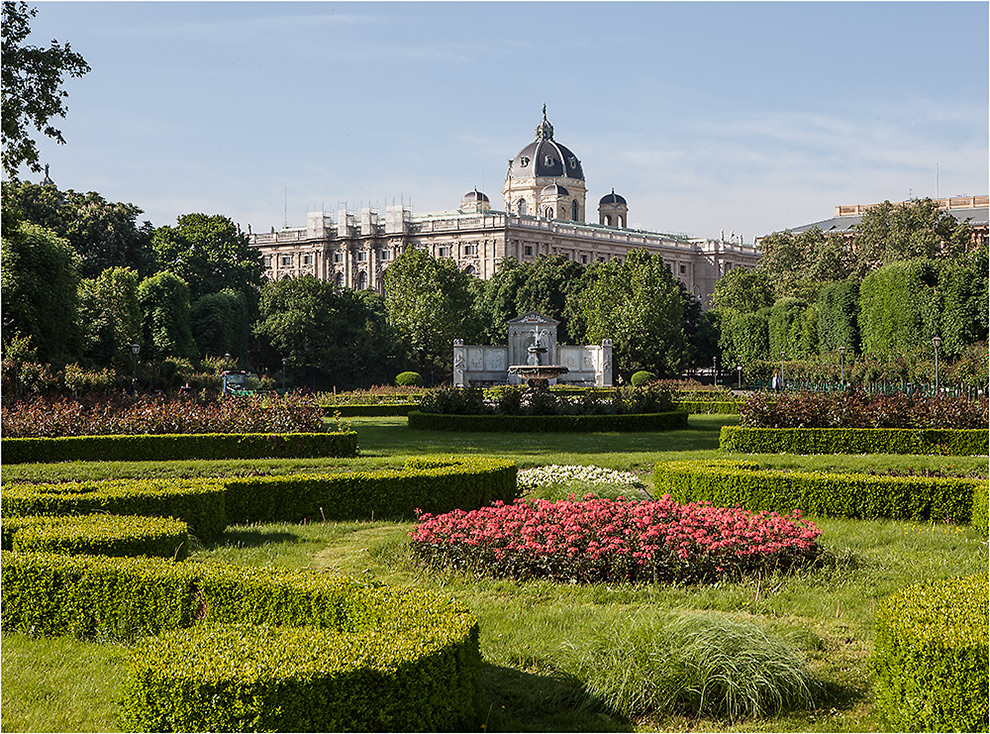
(981, 498)
(930, 656)
(952, 442)
(102, 535)
(381, 658)
(518, 400)
(865, 496)
(370, 409)
(709, 407)
(200, 503)
(548, 423)
(180, 446)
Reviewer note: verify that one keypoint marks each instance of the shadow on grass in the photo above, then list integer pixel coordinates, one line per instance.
(519, 701)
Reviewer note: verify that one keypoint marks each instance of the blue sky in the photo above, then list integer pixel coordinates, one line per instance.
(736, 117)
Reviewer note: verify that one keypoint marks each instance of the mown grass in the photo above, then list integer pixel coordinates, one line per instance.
(550, 661)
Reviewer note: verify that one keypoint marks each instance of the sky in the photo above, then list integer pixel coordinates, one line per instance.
(708, 117)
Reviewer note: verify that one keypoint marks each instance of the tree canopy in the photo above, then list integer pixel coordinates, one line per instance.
(31, 87)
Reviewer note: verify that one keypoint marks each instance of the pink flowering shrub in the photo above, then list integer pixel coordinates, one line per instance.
(45, 417)
(594, 540)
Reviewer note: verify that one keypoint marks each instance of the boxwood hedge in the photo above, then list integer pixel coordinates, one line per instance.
(745, 484)
(954, 442)
(414, 653)
(104, 535)
(710, 407)
(200, 503)
(180, 446)
(548, 423)
(931, 656)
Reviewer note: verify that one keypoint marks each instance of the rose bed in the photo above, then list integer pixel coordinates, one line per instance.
(596, 540)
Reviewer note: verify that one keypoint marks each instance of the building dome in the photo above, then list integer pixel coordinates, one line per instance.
(554, 190)
(612, 198)
(472, 197)
(545, 157)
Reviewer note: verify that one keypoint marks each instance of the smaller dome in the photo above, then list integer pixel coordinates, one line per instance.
(472, 196)
(554, 190)
(612, 198)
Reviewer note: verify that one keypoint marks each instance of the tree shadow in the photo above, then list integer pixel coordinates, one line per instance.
(520, 701)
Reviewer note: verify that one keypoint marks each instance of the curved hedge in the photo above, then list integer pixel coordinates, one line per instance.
(155, 447)
(745, 484)
(930, 656)
(548, 423)
(402, 659)
(200, 503)
(102, 535)
(938, 441)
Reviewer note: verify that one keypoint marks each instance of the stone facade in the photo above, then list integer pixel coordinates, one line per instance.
(545, 210)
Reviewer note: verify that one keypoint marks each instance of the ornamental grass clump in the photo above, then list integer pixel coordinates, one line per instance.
(603, 540)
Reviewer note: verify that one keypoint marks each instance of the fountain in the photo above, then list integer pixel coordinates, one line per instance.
(537, 375)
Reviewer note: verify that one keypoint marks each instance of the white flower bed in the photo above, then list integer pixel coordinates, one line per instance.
(556, 474)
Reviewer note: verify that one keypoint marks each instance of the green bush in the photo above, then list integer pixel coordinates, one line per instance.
(402, 658)
(951, 442)
(866, 496)
(391, 493)
(199, 503)
(641, 378)
(548, 423)
(404, 379)
(710, 407)
(179, 446)
(980, 498)
(103, 535)
(373, 409)
(930, 656)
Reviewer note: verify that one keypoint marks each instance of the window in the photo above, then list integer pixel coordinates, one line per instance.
(683, 269)
(574, 211)
(470, 270)
(362, 281)
(443, 252)
(608, 220)
(548, 213)
(521, 207)
(549, 160)
(470, 249)
(268, 261)
(285, 261)
(362, 256)
(386, 254)
(339, 280)
(338, 257)
(601, 259)
(307, 259)
(527, 250)
(584, 259)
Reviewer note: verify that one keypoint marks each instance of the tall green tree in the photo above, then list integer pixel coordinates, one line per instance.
(331, 336)
(221, 323)
(742, 291)
(917, 229)
(429, 303)
(744, 337)
(110, 317)
(788, 329)
(210, 253)
(39, 276)
(552, 286)
(104, 234)
(496, 301)
(898, 310)
(164, 302)
(637, 304)
(838, 316)
(31, 86)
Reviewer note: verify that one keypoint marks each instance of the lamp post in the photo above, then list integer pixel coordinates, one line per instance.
(715, 369)
(739, 375)
(936, 342)
(842, 366)
(782, 369)
(135, 349)
(284, 362)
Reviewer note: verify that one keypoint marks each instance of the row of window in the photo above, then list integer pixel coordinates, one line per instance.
(287, 260)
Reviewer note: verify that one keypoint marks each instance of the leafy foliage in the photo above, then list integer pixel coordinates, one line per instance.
(110, 317)
(164, 302)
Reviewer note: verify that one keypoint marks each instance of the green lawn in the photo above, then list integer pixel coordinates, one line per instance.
(534, 634)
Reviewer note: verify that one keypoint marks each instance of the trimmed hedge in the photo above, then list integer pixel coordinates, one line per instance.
(152, 447)
(548, 423)
(199, 503)
(382, 410)
(865, 496)
(980, 509)
(396, 658)
(930, 656)
(936, 441)
(102, 535)
(431, 484)
(710, 407)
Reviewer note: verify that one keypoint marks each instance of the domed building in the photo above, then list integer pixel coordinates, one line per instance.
(544, 200)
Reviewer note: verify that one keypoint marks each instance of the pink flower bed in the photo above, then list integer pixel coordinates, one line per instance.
(613, 540)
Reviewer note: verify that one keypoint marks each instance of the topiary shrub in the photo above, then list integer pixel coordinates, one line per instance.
(641, 378)
(404, 379)
(101, 535)
(930, 659)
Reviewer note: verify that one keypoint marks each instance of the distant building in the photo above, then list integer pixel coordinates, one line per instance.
(970, 209)
(544, 212)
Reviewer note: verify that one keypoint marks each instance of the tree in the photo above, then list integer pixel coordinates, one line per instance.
(551, 287)
(221, 323)
(428, 301)
(39, 276)
(742, 291)
(164, 301)
(797, 265)
(700, 328)
(917, 229)
(104, 234)
(744, 337)
(110, 317)
(838, 314)
(898, 312)
(31, 87)
(334, 336)
(637, 304)
(210, 253)
(496, 301)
